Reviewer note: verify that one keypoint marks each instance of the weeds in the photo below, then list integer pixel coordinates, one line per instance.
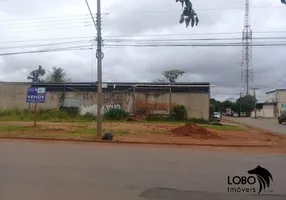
(116, 114)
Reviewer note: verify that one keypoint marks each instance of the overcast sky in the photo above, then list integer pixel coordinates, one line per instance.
(34, 20)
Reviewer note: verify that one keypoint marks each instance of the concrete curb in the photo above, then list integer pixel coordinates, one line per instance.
(138, 143)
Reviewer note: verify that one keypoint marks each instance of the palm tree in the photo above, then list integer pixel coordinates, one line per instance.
(58, 75)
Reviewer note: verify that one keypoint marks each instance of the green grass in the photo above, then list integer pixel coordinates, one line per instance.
(13, 128)
(44, 115)
(93, 131)
(222, 127)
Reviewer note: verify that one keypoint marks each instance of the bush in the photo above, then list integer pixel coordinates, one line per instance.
(71, 111)
(116, 114)
(89, 117)
(199, 121)
(179, 112)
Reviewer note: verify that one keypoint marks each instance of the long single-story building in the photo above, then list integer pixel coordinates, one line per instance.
(135, 97)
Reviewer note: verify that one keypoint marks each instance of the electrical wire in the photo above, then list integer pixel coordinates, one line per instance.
(87, 47)
(51, 29)
(56, 18)
(46, 39)
(129, 37)
(50, 44)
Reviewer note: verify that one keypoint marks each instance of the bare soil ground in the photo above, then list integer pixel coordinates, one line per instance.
(165, 133)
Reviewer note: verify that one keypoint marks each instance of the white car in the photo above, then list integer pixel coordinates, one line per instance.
(217, 116)
(235, 115)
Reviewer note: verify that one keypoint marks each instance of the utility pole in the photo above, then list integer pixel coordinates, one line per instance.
(254, 91)
(240, 95)
(99, 57)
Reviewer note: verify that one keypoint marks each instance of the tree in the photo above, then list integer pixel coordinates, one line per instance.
(171, 75)
(189, 15)
(247, 103)
(36, 74)
(215, 106)
(58, 75)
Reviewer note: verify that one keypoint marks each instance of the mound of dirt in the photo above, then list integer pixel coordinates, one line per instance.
(194, 131)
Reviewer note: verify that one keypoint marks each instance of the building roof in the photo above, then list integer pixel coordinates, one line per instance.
(126, 86)
(277, 90)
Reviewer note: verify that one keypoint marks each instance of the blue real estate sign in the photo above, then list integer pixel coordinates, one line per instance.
(36, 95)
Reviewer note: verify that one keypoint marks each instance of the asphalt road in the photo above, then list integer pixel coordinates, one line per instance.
(267, 124)
(60, 171)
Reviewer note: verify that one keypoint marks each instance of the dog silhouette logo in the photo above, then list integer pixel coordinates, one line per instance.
(264, 177)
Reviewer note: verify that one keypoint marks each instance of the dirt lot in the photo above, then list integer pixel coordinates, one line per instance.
(165, 133)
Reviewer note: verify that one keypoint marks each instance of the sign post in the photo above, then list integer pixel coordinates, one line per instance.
(36, 95)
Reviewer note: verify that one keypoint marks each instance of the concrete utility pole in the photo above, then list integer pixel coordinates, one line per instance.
(99, 56)
(240, 95)
(254, 91)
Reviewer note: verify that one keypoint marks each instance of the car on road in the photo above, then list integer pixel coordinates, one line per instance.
(235, 115)
(282, 116)
(217, 116)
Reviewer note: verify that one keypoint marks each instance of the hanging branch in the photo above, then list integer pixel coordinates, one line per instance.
(189, 15)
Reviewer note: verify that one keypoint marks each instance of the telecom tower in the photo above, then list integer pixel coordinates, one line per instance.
(246, 64)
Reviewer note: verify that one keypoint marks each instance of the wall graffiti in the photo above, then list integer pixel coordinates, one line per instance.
(89, 96)
(124, 100)
(92, 109)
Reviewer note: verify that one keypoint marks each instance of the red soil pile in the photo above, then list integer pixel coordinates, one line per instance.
(194, 131)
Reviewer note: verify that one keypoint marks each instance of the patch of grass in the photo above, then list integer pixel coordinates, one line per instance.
(67, 115)
(85, 131)
(120, 132)
(11, 128)
(116, 114)
(93, 131)
(222, 127)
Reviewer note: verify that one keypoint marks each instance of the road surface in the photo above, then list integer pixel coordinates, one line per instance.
(73, 171)
(267, 124)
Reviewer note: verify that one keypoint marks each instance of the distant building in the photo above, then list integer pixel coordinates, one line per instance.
(276, 101)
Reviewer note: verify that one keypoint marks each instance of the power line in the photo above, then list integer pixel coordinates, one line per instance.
(46, 39)
(51, 29)
(195, 45)
(117, 37)
(87, 47)
(50, 44)
(132, 13)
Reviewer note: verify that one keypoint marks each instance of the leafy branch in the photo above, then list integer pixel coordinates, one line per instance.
(190, 16)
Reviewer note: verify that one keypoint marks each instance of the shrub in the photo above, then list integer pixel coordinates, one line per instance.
(199, 121)
(71, 111)
(179, 112)
(89, 117)
(116, 114)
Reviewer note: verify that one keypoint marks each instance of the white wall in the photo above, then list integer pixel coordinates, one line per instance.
(267, 111)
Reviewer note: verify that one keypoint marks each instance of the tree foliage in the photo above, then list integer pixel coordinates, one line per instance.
(190, 16)
(247, 103)
(243, 104)
(36, 75)
(171, 75)
(58, 75)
